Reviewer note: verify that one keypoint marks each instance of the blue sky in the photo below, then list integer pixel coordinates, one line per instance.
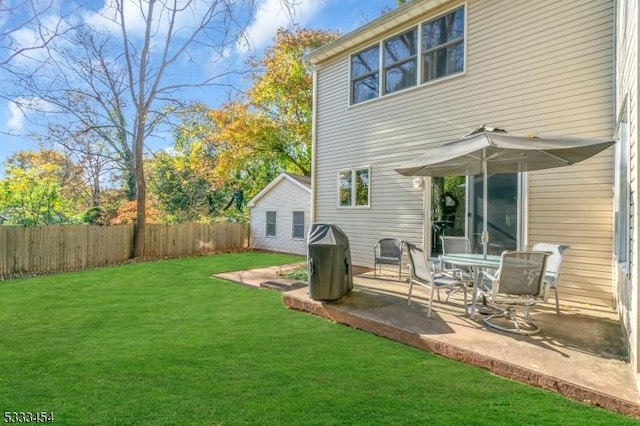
(342, 15)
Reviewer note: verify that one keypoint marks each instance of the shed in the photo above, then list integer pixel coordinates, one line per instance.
(281, 213)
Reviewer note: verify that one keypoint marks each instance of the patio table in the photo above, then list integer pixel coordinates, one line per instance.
(477, 262)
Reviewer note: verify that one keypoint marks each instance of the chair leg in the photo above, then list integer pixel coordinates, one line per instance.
(557, 301)
(464, 292)
(431, 301)
(474, 300)
(410, 288)
(521, 324)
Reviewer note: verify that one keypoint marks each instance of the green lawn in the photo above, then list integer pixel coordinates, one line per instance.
(164, 343)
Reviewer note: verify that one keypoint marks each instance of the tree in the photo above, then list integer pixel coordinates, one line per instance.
(28, 15)
(268, 130)
(39, 189)
(110, 77)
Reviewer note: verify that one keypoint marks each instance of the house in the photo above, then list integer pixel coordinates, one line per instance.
(434, 70)
(280, 215)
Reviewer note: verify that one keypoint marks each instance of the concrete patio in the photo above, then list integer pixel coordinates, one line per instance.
(579, 353)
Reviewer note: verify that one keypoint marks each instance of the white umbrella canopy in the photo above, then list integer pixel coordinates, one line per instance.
(491, 150)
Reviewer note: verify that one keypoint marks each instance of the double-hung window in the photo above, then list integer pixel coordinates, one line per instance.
(365, 74)
(298, 225)
(400, 61)
(354, 188)
(443, 46)
(622, 192)
(271, 224)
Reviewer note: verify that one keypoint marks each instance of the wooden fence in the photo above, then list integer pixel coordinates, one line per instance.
(43, 249)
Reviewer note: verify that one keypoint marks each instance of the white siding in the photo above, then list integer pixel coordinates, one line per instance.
(628, 17)
(284, 198)
(544, 67)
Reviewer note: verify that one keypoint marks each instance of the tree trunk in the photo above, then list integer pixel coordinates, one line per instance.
(141, 193)
(437, 198)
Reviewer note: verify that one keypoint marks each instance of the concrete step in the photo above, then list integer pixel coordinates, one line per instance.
(282, 284)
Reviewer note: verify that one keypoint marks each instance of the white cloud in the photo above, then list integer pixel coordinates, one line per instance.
(16, 118)
(20, 107)
(271, 15)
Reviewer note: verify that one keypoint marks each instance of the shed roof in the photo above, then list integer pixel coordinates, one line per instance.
(303, 182)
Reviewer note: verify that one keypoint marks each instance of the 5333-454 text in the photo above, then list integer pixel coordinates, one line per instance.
(28, 417)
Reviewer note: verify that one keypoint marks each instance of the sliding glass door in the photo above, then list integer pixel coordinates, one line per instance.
(503, 218)
(456, 209)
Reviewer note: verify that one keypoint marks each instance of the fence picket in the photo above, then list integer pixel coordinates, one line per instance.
(69, 247)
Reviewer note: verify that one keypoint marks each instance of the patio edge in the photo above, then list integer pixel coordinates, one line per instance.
(495, 366)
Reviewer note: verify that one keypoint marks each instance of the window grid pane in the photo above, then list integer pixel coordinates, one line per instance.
(298, 224)
(366, 88)
(365, 75)
(400, 61)
(362, 187)
(443, 46)
(271, 224)
(345, 188)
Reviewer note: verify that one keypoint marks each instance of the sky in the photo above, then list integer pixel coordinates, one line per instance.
(341, 15)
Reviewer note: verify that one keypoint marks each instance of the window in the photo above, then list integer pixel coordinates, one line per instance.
(433, 50)
(271, 224)
(365, 75)
(443, 46)
(622, 193)
(400, 61)
(353, 188)
(298, 224)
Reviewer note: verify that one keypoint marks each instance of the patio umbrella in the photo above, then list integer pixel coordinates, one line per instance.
(491, 150)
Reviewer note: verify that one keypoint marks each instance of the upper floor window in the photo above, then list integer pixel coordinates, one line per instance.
(433, 50)
(353, 188)
(443, 46)
(400, 61)
(365, 75)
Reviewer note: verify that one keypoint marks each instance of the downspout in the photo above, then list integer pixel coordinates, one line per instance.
(314, 136)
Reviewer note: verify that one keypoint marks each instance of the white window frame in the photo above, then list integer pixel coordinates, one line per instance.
(420, 55)
(294, 224)
(267, 223)
(353, 197)
(353, 80)
(622, 192)
(399, 62)
(463, 39)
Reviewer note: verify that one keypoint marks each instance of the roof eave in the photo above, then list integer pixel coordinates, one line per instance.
(374, 29)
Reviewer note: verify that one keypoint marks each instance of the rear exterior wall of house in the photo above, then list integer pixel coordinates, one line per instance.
(543, 67)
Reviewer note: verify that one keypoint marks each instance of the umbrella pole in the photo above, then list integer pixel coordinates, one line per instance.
(485, 202)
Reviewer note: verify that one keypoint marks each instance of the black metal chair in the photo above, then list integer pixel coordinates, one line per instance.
(388, 251)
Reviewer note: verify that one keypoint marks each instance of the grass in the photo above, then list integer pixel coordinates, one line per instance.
(163, 343)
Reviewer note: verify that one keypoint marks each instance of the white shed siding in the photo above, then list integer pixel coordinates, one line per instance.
(545, 67)
(627, 93)
(284, 198)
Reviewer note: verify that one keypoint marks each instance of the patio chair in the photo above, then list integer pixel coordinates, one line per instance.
(519, 282)
(552, 273)
(460, 245)
(388, 251)
(421, 275)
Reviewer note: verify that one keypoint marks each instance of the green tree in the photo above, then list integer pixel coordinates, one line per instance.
(38, 189)
(268, 129)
